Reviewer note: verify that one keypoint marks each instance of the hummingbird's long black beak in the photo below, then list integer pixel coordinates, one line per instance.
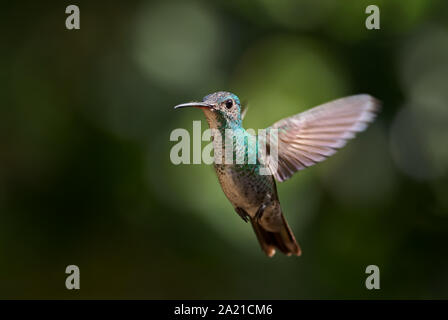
(194, 105)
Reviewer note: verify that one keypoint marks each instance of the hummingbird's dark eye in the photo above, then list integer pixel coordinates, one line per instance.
(229, 103)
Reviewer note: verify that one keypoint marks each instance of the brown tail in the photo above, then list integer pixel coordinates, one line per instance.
(283, 240)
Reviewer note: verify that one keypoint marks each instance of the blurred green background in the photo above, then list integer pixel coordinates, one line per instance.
(86, 177)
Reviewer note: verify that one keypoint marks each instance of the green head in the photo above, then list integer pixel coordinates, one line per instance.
(222, 109)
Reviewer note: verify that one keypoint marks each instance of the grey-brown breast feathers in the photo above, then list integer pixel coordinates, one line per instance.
(312, 136)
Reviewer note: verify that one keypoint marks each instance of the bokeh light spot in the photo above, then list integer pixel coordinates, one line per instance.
(178, 44)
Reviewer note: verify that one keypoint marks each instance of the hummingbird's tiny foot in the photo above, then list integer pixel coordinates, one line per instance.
(242, 213)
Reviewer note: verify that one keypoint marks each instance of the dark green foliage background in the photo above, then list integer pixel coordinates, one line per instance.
(86, 177)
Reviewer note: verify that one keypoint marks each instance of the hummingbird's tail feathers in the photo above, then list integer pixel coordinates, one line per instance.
(283, 240)
(286, 237)
(265, 238)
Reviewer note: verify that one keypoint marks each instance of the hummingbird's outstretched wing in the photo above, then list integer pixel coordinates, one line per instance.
(312, 136)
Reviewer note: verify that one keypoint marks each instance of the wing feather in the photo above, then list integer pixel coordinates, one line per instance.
(312, 136)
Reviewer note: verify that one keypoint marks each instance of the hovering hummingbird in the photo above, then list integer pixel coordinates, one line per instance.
(302, 141)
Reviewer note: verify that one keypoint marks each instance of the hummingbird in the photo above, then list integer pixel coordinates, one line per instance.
(302, 140)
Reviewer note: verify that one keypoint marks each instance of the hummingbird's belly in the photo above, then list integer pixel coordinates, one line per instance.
(244, 187)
